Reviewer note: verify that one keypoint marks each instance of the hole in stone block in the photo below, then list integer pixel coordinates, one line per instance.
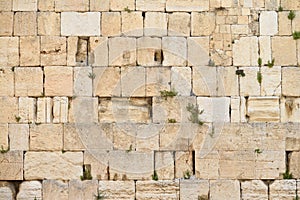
(158, 56)
(82, 49)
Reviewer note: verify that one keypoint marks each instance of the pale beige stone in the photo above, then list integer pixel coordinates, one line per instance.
(6, 23)
(4, 144)
(193, 5)
(117, 5)
(11, 164)
(235, 110)
(6, 5)
(46, 5)
(149, 51)
(164, 165)
(154, 5)
(28, 81)
(9, 109)
(21, 5)
(183, 164)
(272, 4)
(202, 24)
(157, 79)
(292, 137)
(27, 109)
(99, 5)
(268, 23)
(9, 51)
(174, 51)
(271, 81)
(122, 51)
(53, 50)
(6, 81)
(84, 110)
(111, 24)
(58, 81)
(227, 81)
(155, 24)
(98, 51)
(290, 110)
(25, 24)
(53, 165)
(157, 189)
(83, 189)
(147, 137)
(72, 137)
(198, 51)
(98, 160)
(294, 164)
(254, 190)
(29, 51)
(72, 43)
(133, 81)
(179, 24)
(132, 24)
(282, 189)
(83, 81)
(284, 23)
(71, 5)
(124, 138)
(80, 24)
(19, 137)
(7, 191)
(60, 109)
(55, 189)
(290, 4)
(30, 190)
(181, 80)
(245, 51)
(224, 189)
(117, 189)
(194, 189)
(263, 109)
(296, 22)
(44, 110)
(240, 29)
(249, 86)
(265, 50)
(204, 81)
(290, 81)
(48, 23)
(286, 45)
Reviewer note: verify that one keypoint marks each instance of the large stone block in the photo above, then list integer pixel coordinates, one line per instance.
(30, 190)
(53, 50)
(132, 24)
(83, 81)
(48, 23)
(27, 109)
(271, 81)
(9, 51)
(204, 81)
(224, 189)
(147, 137)
(290, 109)
(290, 4)
(245, 51)
(181, 80)
(290, 81)
(29, 51)
(184, 164)
(193, 5)
(174, 51)
(6, 23)
(179, 24)
(265, 50)
(46, 5)
(71, 5)
(155, 5)
(117, 189)
(11, 164)
(149, 51)
(202, 24)
(80, 24)
(263, 109)
(53, 165)
(72, 43)
(249, 86)
(98, 160)
(25, 24)
(111, 24)
(98, 51)
(133, 81)
(155, 24)
(55, 189)
(44, 110)
(157, 79)
(284, 23)
(198, 51)
(9, 109)
(268, 23)
(60, 109)
(99, 5)
(6, 81)
(19, 5)
(164, 165)
(18, 137)
(286, 45)
(87, 190)
(254, 190)
(84, 110)
(282, 189)
(194, 189)
(227, 81)
(157, 190)
(122, 51)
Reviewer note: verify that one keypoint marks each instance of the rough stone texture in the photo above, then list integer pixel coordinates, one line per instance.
(249, 85)
(282, 189)
(133, 81)
(194, 189)
(147, 137)
(9, 109)
(155, 5)
(82, 82)
(224, 189)
(155, 24)
(122, 51)
(268, 23)
(149, 51)
(286, 45)
(132, 24)
(25, 24)
(53, 165)
(181, 80)
(55, 189)
(204, 81)
(6, 81)
(175, 51)
(290, 82)
(117, 189)
(6, 5)
(99, 163)
(290, 5)
(81, 24)
(284, 24)
(9, 51)
(53, 50)
(71, 50)
(99, 5)
(11, 164)
(116, 5)
(254, 190)
(29, 51)
(98, 51)
(290, 110)
(27, 109)
(227, 81)
(71, 5)
(263, 109)
(294, 164)
(157, 79)
(44, 110)
(30, 190)
(271, 81)
(202, 24)
(157, 190)
(7, 191)
(6, 22)
(181, 5)
(46, 5)
(265, 50)
(18, 137)
(4, 137)
(83, 189)
(198, 51)
(183, 164)
(111, 24)
(164, 165)
(245, 51)
(48, 23)
(83, 106)
(179, 24)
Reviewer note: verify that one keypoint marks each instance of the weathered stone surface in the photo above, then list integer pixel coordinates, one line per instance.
(44, 110)
(249, 86)
(263, 109)
(183, 164)
(25, 24)
(174, 51)
(286, 45)
(122, 51)
(55, 189)
(6, 81)
(98, 160)
(290, 81)
(4, 136)
(11, 164)
(9, 109)
(155, 5)
(29, 51)
(6, 22)
(271, 81)
(28, 81)
(292, 137)
(204, 81)
(147, 137)
(133, 81)
(99, 5)
(117, 189)
(9, 51)
(72, 43)
(111, 24)
(181, 80)
(53, 50)
(132, 24)
(30, 190)
(164, 165)
(6, 5)
(198, 51)
(235, 109)
(202, 24)
(224, 189)
(53, 165)
(19, 5)
(18, 137)
(282, 189)
(194, 189)
(7, 191)
(83, 189)
(71, 5)
(58, 81)
(48, 23)
(245, 51)
(157, 190)
(82, 82)
(81, 24)
(149, 51)
(290, 5)
(254, 190)
(290, 110)
(155, 24)
(116, 5)
(84, 106)
(60, 109)
(124, 137)
(46, 5)
(157, 79)
(268, 23)
(284, 23)
(181, 5)
(98, 51)
(265, 50)
(294, 164)
(179, 24)
(227, 81)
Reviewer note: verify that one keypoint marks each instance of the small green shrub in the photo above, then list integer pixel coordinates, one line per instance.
(280, 9)
(271, 64)
(130, 149)
(259, 62)
(259, 77)
(211, 63)
(18, 118)
(167, 94)
(287, 175)
(172, 121)
(4, 150)
(187, 174)
(195, 112)
(240, 72)
(291, 15)
(100, 196)
(92, 76)
(127, 9)
(258, 151)
(296, 35)
(154, 176)
(86, 175)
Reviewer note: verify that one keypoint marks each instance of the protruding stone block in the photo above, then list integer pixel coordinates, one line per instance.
(7, 191)
(174, 51)
(155, 24)
(122, 51)
(9, 51)
(268, 23)
(263, 109)
(11, 164)
(53, 50)
(30, 190)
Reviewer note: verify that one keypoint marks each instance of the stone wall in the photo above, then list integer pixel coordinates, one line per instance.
(150, 99)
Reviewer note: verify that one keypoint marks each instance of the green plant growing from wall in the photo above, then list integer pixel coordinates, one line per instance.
(296, 35)
(240, 72)
(154, 176)
(166, 93)
(258, 151)
(187, 174)
(172, 121)
(287, 175)
(127, 9)
(291, 15)
(259, 62)
(86, 175)
(18, 118)
(195, 112)
(270, 64)
(100, 196)
(259, 77)
(92, 75)
(211, 63)
(130, 149)
(4, 150)
(280, 9)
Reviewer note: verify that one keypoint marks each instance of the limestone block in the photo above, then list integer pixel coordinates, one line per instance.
(117, 189)
(99, 5)
(183, 163)
(53, 50)
(254, 190)
(82, 82)
(271, 81)
(227, 81)
(149, 51)
(84, 110)
(171, 108)
(53, 165)
(181, 80)
(155, 5)
(4, 144)
(29, 51)
(19, 5)
(224, 189)
(6, 5)
(249, 85)
(81, 24)
(207, 167)
(44, 110)
(157, 79)
(134, 165)
(46, 5)
(181, 5)
(198, 51)
(286, 45)
(284, 23)
(179, 24)
(117, 5)
(28, 81)
(72, 43)
(215, 109)
(25, 24)
(71, 5)
(235, 109)
(240, 29)
(294, 164)
(245, 51)
(27, 109)
(282, 189)
(6, 81)
(147, 137)
(55, 189)
(98, 51)
(290, 5)
(265, 50)
(11, 164)
(202, 24)
(132, 24)
(58, 81)
(263, 109)
(268, 23)
(60, 109)
(290, 81)
(292, 137)
(164, 165)
(9, 51)
(272, 4)
(73, 137)
(18, 137)
(155, 24)
(9, 109)
(290, 110)
(122, 51)
(174, 51)
(296, 22)
(98, 160)
(204, 81)
(83, 189)
(133, 81)
(48, 23)
(194, 189)
(7, 191)
(124, 137)
(111, 24)
(157, 189)
(30, 190)
(6, 22)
